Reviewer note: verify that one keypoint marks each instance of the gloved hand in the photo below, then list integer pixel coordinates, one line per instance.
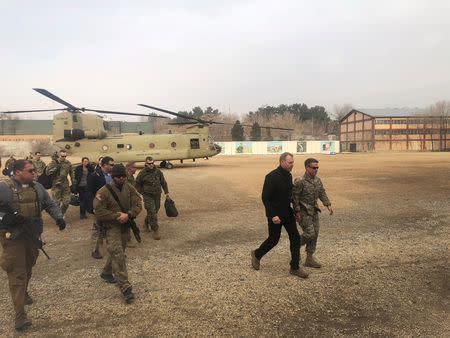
(73, 189)
(61, 223)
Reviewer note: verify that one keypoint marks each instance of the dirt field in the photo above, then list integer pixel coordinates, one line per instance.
(385, 254)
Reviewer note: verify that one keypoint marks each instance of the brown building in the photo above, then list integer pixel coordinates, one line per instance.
(361, 131)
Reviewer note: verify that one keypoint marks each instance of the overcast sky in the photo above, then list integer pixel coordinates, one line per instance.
(232, 55)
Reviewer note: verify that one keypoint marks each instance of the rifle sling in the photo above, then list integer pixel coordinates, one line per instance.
(113, 193)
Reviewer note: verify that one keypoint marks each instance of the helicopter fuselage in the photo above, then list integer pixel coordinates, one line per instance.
(162, 147)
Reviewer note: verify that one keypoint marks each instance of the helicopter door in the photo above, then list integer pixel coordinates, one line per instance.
(195, 144)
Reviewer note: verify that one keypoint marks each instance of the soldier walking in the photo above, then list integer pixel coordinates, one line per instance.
(61, 168)
(100, 177)
(19, 255)
(276, 196)
(150, 182)
(131, 169)
(39, 165)
(111, 213)
(307, 189)
(9, 165)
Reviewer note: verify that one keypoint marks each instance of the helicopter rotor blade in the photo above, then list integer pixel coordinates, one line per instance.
(204, 121)
(172, 113)
(29, 111)
(57, 99)
(124, 113)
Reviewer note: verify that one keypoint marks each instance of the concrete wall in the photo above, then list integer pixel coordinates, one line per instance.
(278, 147)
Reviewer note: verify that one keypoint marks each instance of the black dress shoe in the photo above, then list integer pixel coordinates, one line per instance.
(96, 254)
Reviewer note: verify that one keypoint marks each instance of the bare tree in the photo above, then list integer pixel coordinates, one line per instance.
(340, 110)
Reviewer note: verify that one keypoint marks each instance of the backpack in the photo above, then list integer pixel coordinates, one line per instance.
(171, 209)
(47, 180)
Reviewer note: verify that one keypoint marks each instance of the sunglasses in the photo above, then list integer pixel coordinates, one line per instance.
(314, 168)
(149, 163)
(31, 170)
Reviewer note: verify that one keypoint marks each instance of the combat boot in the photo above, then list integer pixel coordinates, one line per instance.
(28, 299)
(128, 296)
(22, 324)
(299, 272)
(255, 261)
(108, 278)
(311, 262)
(156, 235)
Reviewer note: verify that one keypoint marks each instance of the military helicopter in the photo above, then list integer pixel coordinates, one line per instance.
(81, 134)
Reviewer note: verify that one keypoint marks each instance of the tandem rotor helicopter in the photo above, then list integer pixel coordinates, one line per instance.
(81, 134)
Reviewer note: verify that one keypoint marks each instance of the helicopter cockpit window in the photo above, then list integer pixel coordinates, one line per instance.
(173, 144)
(120, 146)
(151, 145)
(195, 144)
(129, 146)
(74, 118)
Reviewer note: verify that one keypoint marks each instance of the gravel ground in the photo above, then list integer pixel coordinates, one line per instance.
(385, 254)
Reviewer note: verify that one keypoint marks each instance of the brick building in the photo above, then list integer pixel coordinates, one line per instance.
(381, 130)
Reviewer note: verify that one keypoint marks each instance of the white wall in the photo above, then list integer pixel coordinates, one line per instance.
(278, 147)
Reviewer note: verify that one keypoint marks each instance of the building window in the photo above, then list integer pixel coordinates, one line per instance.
(381, 132)
(398, 121)
(381, 121)
(399, 132)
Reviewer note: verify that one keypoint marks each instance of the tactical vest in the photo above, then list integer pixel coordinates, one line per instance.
(25, 200)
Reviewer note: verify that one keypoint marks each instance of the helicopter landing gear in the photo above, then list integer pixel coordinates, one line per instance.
(163, 164)
(169, 165)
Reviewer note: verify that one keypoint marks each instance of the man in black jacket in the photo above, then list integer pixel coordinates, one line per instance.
(98, 179)
(277, 198)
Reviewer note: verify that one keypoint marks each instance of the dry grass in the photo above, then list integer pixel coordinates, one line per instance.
(385, 255)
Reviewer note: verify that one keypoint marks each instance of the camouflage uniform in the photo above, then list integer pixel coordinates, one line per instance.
(60, 187)
(149, 183)
(305, 193)
(131, 180)
(19, 255)
(106, 211)
(39, 165)
(9, 165)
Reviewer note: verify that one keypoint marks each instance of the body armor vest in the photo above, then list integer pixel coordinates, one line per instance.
(25, 200)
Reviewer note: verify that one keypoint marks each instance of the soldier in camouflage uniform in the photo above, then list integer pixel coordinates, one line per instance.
(60, 187)
(39, 165)
(307, 189)
(131, 169)
(149, 183)
(20, 254)
(9, 165)
(108, 212)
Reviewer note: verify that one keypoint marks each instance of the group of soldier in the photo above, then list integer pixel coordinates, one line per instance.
(114, 196)
(107, 190)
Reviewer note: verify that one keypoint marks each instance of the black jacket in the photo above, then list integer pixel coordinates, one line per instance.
(78, 173)
(95, 181)
(277, 194)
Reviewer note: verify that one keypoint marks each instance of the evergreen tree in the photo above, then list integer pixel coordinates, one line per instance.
(255, 134)
(237, 132)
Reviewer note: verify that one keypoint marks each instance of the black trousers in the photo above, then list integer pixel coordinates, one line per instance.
(83, 201)
(274, 237)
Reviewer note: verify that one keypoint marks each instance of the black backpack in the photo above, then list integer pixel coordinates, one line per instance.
(171, 209)
(47, 180)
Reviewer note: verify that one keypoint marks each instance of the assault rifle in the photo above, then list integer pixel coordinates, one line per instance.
(20, 227)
